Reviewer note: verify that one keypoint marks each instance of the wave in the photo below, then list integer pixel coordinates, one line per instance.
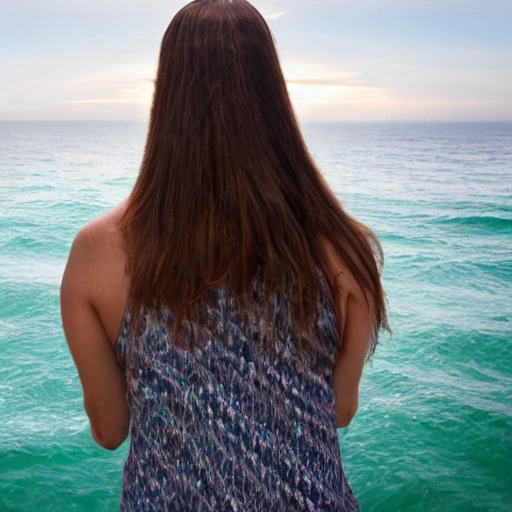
(488, 222)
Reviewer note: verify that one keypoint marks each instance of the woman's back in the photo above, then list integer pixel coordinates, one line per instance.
(240, 423)
(228, 203)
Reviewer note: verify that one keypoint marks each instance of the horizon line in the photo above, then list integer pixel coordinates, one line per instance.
(310, 121)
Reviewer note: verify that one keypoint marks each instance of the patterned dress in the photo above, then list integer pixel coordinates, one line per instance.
(234, 425)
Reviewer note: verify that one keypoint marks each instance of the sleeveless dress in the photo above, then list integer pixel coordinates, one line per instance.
(238, 424)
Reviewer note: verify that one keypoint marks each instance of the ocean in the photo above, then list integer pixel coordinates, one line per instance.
(434, 427)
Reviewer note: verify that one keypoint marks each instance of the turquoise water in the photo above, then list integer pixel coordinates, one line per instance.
(434, 426)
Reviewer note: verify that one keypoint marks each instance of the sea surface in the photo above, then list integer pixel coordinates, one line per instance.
(434, 426)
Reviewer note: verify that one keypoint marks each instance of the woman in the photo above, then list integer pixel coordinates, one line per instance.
(223, 313)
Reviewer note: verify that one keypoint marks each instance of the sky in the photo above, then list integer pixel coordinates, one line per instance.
(344, 60)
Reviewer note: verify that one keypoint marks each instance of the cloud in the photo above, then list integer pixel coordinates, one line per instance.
(275, 15)
(95, 102)
(126, 83)
(339, 102)
(116, 91)
(321, 81)
(368, 103)
(309, 73)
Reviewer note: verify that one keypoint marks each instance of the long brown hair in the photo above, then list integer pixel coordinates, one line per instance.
(227, 187)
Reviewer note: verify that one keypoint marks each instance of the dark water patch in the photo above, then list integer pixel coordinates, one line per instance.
(490, 352)
(501, 270)
(501, 318)
(488, 223)
(410, 237)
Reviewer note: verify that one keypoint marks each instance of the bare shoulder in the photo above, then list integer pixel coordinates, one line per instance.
(340, 275)
(100, 237)
(352, 302)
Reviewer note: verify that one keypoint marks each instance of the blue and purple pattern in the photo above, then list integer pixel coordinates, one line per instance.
(233, 425)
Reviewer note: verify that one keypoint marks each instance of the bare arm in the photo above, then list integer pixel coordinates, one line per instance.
(103, 381)
(356, 318)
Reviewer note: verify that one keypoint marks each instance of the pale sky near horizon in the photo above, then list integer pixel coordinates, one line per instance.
(354, 60)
